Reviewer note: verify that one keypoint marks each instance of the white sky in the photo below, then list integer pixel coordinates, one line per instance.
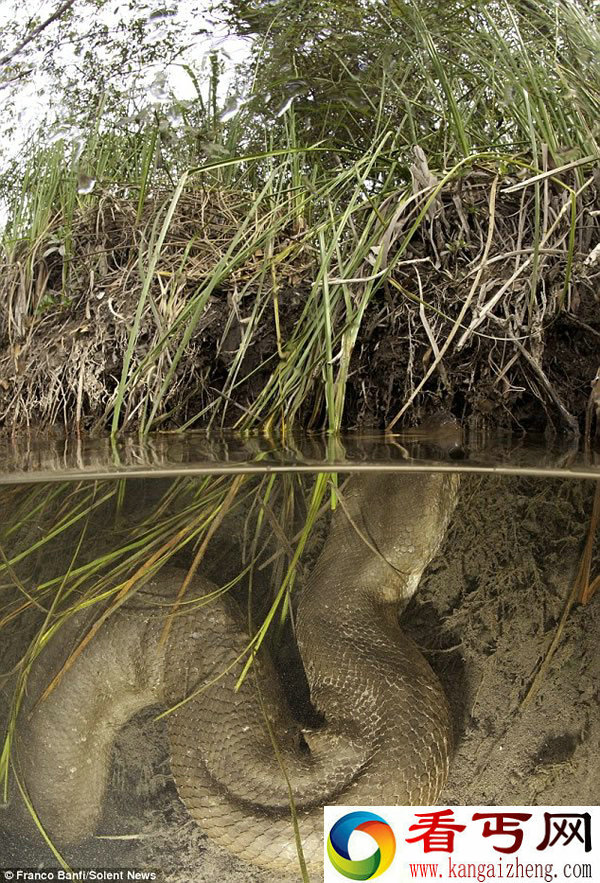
(34, 99)
(155, 85)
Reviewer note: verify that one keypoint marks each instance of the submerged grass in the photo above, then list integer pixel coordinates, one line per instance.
(104, 575)
(285, 274)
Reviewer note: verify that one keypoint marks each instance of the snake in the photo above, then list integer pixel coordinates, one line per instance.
(239, 757)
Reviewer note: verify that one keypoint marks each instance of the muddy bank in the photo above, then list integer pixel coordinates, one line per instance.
(506, 337)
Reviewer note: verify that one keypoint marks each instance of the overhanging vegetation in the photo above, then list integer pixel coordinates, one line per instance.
(431, 237)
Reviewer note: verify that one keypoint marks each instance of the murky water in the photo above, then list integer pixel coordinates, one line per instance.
(487, 614)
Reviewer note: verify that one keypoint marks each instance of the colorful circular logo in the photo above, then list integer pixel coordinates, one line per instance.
(364, 868)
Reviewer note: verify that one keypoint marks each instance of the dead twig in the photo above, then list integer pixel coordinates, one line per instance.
(539, 372)
(580, 592)
(584, 585)
(463, 311)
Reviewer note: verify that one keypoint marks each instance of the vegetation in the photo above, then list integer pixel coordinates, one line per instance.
(390, 208)
(408, 217)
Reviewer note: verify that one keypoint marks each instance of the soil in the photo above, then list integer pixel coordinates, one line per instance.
(485, 615)
(528, 363)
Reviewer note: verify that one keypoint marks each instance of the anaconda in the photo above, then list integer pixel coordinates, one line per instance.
(387, 733)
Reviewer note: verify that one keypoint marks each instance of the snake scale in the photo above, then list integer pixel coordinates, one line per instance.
(387, 734)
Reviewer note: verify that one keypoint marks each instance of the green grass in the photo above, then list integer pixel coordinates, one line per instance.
(510, 88)
(473, 135)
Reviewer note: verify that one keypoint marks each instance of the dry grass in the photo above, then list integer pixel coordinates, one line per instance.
(245, 317)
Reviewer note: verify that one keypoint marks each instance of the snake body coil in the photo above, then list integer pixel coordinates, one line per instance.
(386, 737)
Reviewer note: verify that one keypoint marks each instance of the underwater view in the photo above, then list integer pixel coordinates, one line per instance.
(190, 662)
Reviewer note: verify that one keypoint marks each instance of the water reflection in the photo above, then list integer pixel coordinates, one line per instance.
(52, 455)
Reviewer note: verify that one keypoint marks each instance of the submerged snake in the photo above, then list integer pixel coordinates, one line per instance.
(387, 733)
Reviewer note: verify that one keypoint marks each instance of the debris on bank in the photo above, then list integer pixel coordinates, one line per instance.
(480, 290)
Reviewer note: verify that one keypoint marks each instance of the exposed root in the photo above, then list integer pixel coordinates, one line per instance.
(466, 303)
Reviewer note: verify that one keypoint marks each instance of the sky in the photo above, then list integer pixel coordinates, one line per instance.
(161, 84)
